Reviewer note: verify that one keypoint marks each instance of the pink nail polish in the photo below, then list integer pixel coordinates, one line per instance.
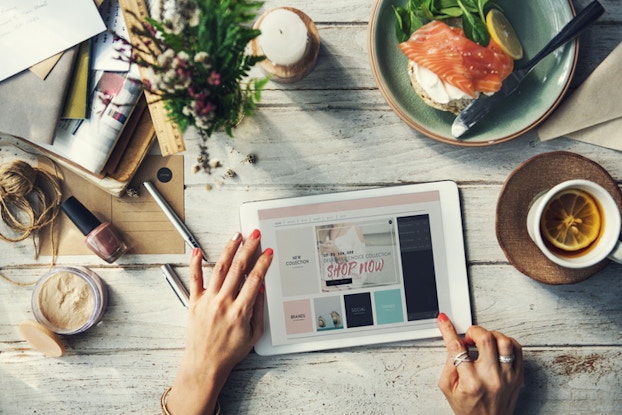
(268, 252)
(442, 317)
(262, 289)
(197, 252)
(255, 234)
(101, 238)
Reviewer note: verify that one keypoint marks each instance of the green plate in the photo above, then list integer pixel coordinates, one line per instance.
(535, 21)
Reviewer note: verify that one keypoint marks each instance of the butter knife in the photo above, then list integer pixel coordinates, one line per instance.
(477, 109)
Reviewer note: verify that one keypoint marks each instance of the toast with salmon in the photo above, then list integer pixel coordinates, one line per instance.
(463, 67)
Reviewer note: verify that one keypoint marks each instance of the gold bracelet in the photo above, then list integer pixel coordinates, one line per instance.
(165, 411)
(163, 401)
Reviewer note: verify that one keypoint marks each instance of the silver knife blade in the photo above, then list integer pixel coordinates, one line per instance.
(476, 110)
(481, 106)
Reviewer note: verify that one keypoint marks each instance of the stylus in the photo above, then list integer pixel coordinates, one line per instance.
(176, 284)
(179, 225)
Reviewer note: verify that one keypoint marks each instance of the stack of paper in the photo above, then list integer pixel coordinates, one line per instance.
(74, 105)
(32, 31)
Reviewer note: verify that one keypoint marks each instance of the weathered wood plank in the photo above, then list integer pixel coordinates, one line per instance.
(332, 131)
(143, 313)
(364, 381)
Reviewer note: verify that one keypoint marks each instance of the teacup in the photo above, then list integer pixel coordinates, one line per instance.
(606, 245)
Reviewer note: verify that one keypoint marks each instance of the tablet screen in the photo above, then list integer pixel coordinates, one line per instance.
(358, 267)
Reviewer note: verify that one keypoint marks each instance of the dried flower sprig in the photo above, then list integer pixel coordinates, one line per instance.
(197, 63)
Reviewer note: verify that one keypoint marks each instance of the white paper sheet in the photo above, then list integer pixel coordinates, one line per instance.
(104, 48)
(33, 30)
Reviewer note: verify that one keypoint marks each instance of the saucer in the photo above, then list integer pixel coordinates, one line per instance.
(534, 176)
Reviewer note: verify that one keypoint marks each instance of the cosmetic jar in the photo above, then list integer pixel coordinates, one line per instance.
(69, 300)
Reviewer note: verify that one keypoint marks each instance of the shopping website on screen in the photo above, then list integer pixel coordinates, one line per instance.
(345, 268)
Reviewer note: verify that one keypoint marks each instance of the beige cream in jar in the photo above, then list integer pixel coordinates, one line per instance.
(69, 300)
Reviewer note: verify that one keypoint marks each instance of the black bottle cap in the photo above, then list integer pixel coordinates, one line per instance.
(80, 215)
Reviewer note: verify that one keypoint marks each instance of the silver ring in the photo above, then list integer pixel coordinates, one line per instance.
(462, 358)
(506, 359)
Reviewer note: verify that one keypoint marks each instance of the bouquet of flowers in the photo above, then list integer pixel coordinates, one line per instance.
(196, 62)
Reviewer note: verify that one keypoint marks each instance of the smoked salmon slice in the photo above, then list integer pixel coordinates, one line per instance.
(458, 61)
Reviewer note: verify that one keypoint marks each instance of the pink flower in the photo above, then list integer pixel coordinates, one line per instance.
(204, 107)
(214, 78)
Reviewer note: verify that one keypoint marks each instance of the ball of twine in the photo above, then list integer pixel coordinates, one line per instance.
(29, 199)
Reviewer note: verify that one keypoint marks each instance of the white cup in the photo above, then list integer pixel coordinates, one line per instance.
(608, 244)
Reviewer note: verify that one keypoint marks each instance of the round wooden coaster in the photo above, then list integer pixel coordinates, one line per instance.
(532, 177)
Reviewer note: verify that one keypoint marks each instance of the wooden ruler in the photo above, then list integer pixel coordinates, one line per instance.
(169, 135)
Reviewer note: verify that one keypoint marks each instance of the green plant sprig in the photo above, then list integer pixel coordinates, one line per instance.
(222, 34)
(418, 12)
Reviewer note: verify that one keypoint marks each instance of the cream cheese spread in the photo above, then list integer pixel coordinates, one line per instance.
(436, 89)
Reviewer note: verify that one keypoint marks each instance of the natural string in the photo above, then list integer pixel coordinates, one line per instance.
(30, 199)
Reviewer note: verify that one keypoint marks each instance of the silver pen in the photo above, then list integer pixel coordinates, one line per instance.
(179, 225)
(178, 287)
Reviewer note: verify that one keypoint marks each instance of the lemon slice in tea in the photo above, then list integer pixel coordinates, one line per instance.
(502, 32)
(571, 220)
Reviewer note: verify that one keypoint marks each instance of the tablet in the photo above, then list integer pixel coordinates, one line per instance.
(361, 267)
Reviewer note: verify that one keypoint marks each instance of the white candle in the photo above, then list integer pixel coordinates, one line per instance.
(283, 37)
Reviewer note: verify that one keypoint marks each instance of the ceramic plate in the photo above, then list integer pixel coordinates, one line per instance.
(535, 22)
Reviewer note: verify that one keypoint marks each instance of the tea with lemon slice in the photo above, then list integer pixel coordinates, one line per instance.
(571, 222)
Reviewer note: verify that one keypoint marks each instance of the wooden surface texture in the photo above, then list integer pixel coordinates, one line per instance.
(332, 131)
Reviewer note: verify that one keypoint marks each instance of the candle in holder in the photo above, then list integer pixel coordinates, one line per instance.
(290, 42)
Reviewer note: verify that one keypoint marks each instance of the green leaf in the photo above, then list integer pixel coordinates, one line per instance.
(447, 4)
(448, 12)
(406, 23)
(402, 23)
(470, 5)
(475, 29)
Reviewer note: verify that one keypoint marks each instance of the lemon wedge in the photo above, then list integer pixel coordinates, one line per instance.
(502, 32)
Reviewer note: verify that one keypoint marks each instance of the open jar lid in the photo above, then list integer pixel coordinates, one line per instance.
(42, 338)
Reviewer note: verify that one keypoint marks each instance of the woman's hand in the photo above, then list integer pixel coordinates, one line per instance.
(224, 323)
(488, 385)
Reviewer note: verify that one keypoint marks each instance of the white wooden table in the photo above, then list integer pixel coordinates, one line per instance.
(331, 132)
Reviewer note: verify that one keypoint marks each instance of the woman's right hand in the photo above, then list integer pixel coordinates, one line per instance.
(225, 320)
(488, 385)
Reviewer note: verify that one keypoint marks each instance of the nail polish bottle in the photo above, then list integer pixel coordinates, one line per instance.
(101, 237)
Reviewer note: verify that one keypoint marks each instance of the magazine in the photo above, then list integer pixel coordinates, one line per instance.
(89, 142)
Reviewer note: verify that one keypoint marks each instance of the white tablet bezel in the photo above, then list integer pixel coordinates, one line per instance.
(453, 284)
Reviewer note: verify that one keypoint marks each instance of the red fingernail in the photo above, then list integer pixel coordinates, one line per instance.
(442, 317)
(268, 252)
(262, 289)
(197, 252)
(255, 234)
